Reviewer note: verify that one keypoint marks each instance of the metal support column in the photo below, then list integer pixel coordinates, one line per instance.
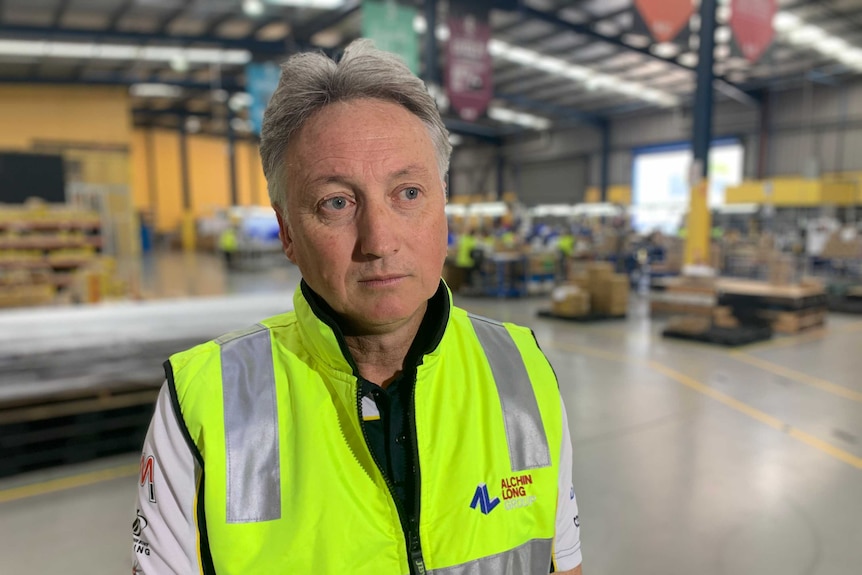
(152, 174)
(763, 137)
(605, 160)
(698, 228)
(187, 234)
(431, 71)
(231, 158)
(501, 172)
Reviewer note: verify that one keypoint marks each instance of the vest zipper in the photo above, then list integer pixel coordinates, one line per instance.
(417, 560)
(409, 528)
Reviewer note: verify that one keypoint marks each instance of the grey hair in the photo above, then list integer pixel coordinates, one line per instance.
(310, 81)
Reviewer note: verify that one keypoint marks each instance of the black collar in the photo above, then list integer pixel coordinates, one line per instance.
(427, 339)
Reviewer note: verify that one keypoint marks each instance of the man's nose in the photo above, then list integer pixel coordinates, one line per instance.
(377, 230)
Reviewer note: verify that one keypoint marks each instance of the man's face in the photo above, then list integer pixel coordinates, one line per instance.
(365, 212)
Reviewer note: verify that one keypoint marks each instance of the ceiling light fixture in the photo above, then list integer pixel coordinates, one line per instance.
(581, 74)
(794, 30)
(81, 50)
(320, 4)
(510, 116)
(150, 90)
(253, 8)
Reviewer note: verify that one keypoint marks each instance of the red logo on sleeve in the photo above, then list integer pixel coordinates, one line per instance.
(147, 467)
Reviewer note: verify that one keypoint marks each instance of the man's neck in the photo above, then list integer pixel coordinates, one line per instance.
(380, 357)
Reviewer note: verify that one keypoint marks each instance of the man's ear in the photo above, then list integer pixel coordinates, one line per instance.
(284, 234)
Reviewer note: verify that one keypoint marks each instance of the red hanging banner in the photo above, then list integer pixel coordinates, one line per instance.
(468, 63)
(751, 22)
(665, 18)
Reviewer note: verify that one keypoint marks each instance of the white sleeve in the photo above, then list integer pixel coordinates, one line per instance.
(164, 532)
(567, 539)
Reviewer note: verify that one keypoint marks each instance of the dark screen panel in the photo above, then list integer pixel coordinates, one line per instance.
(25, 176)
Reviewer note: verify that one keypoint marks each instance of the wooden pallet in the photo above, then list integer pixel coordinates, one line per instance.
(588, 318)
(845, 305)
(73, 426)
(728, 337)
(794, 322)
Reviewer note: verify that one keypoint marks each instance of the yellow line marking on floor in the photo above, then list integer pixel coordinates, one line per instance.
(731, 402)
(70, 482)
(786, 341)
(798, 376)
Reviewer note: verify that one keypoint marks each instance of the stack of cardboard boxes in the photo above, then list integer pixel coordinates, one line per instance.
(595, 289)
(570, 301)
(782, 270)
(845, 244)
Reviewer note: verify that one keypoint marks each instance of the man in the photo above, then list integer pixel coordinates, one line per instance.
(376, 429)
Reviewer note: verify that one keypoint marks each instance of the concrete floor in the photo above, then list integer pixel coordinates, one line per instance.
(689, 459)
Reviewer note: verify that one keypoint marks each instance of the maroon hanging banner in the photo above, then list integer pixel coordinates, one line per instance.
(751, 23)
(469, 71)
(665, 18)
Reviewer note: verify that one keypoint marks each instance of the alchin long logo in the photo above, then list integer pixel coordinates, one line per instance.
(483, 500)
(515, 493)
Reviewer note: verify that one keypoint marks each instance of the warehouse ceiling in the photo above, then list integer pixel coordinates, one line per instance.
(576, 61)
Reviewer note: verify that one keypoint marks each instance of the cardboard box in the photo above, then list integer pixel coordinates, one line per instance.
(580, 280)
(570, 301)
(689, 324)
(782, 270)
(611, 295)
(722, 316)
(597, 274)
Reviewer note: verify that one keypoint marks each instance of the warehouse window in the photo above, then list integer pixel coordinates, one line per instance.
(660, 182)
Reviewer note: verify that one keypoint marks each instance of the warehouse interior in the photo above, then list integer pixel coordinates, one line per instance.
(667, 192)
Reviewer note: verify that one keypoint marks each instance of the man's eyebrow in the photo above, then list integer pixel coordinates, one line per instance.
(329, 179)
(412, 169)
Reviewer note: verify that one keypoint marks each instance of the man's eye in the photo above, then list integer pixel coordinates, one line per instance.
(336, 203)
(410, 193)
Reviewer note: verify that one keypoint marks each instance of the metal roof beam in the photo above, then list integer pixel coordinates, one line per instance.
(513, 25)
(558, 112)
(303, 34)
(59, 12)
(486, 133)
(216, 23)
(617, 41)
(95, 35)
(119, 13)
(229, 84)
(173, 15)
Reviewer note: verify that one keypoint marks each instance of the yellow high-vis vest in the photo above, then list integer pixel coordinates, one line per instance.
(287, 483)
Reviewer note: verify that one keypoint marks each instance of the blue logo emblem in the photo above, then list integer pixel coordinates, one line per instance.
(483, 500)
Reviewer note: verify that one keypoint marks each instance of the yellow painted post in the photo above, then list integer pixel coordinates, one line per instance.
(698, 225)
(188, 233)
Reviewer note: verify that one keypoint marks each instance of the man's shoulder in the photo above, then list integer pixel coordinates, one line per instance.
(464, 317)
(211, 350)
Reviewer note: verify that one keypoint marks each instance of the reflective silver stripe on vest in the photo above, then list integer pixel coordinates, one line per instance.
(250, 426)
(531, 558)
(528, 444)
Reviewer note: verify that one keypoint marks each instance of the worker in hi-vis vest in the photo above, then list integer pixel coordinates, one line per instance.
(375, 429)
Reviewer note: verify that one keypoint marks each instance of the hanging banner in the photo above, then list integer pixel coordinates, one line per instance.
(665, 18)
(469, 70)
(261, 80)
(390, 25)
(751, 23)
